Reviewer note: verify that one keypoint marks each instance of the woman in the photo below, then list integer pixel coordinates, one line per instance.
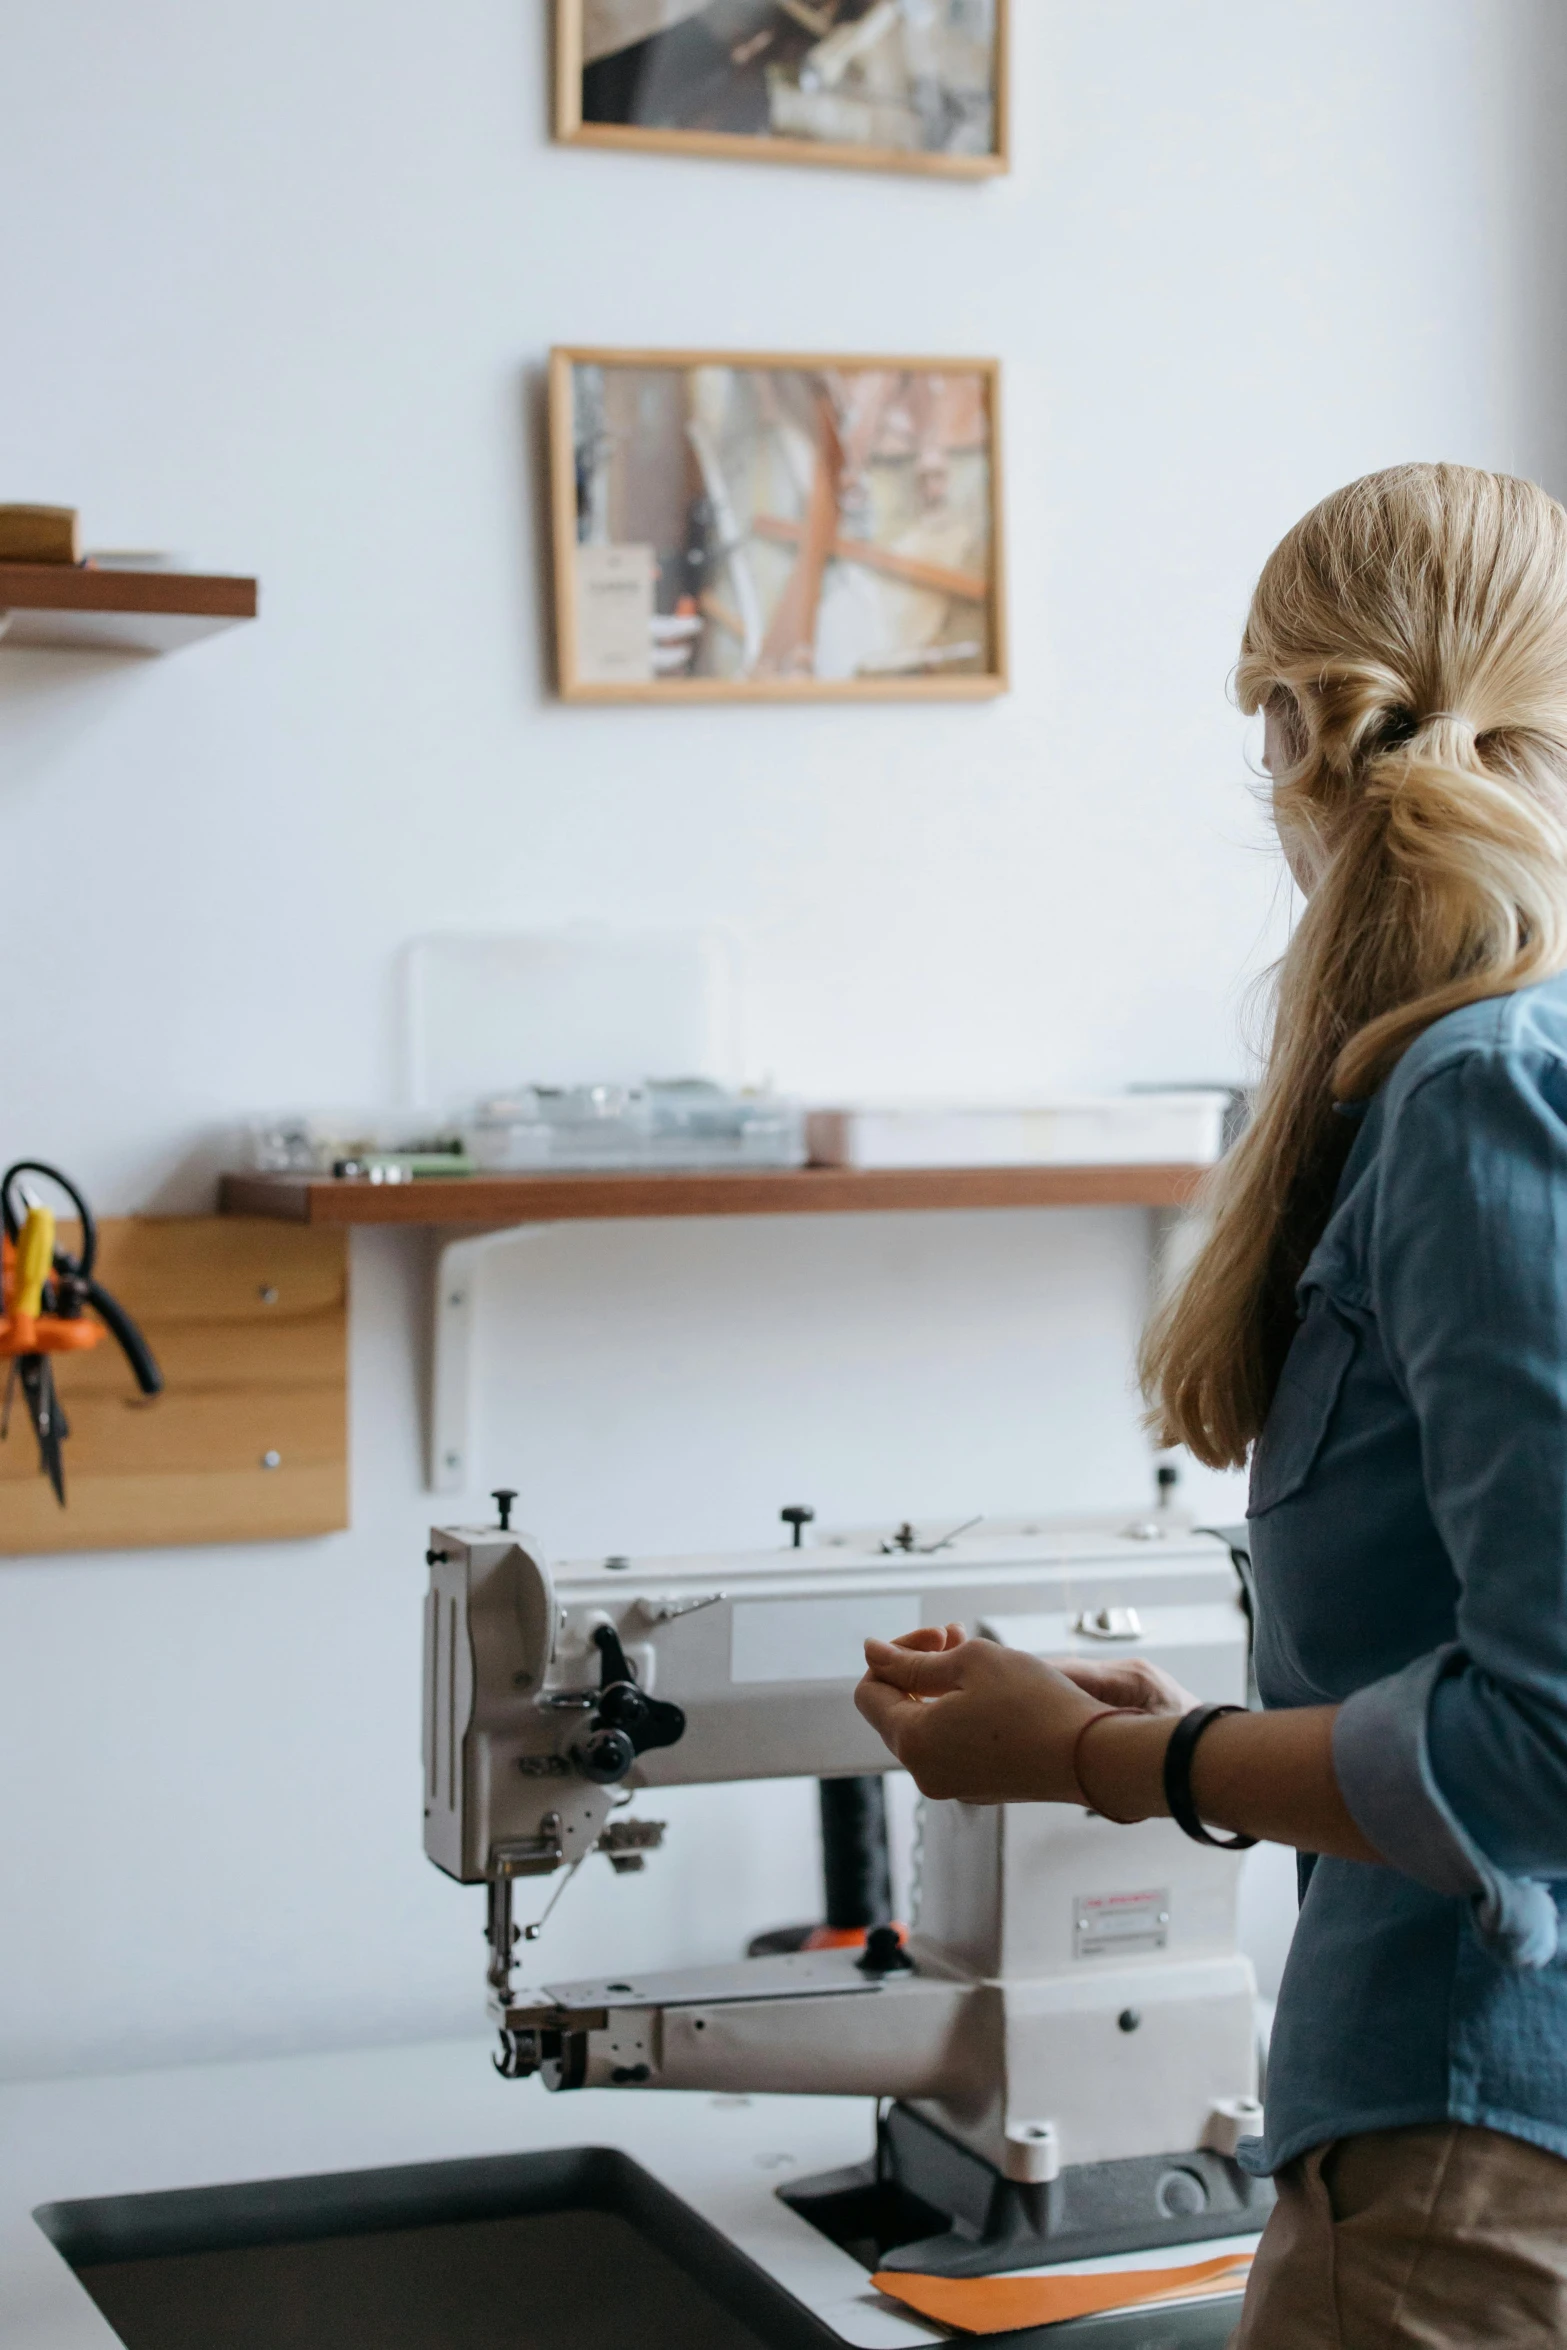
(1379, 1317)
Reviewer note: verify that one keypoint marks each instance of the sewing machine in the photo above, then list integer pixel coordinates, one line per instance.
(1067, 2035)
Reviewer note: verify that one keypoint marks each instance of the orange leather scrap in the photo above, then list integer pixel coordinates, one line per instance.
(1003, 2305)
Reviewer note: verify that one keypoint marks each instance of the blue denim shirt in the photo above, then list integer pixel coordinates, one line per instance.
(1409, 1543)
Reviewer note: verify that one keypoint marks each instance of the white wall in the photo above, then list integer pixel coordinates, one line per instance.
(275, 290)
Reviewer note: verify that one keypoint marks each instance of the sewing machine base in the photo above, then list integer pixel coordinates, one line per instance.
(930, 2205)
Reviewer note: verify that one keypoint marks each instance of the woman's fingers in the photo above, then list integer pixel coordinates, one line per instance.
(934, 1636)
(919, 1672)
(882, 1706)
(1128, 1681)
(1116, 1682)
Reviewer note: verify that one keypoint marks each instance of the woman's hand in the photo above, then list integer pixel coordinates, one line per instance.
(1127, 1682)
(986, 1724)
(983, 1723)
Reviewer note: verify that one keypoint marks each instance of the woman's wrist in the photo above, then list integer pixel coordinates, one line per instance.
(1090, 1722)
(1266, 1775)
(1120, 1765)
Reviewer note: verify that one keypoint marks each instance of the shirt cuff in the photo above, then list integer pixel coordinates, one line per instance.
(1382, 1757)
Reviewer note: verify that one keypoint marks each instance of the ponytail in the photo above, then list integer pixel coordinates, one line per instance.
(1479, 868)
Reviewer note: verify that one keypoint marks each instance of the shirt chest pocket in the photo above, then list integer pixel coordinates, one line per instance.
(1322, 1351)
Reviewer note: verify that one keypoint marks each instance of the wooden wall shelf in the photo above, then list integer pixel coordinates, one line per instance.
(482, 1212)
(70, 608)
(584, 1198)
(249, 1440)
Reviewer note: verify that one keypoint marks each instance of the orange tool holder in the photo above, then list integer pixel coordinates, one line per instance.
(37, 1333)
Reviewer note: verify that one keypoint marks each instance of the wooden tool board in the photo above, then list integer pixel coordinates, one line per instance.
(249, 1322)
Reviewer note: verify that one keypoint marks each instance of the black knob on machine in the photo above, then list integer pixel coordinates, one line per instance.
(799, 1517)
(624, 1712)
(605, 1756)
(623, 1707)
(884, 1953)
(503, 1497)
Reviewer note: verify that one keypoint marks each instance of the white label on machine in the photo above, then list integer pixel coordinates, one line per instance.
(1111, 1924)
(814, 1639)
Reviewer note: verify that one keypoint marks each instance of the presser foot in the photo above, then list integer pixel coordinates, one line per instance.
(927, 2204)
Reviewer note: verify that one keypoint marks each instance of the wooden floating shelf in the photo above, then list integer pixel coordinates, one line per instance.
(582, 1198)
(73, 608)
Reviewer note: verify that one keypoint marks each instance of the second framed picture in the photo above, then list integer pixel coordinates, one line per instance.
(733, 526)
(892, 85)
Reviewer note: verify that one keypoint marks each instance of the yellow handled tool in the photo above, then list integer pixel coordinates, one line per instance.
(34, 1263)
(31, 1266)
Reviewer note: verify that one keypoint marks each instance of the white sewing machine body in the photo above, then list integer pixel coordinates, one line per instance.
(1071, 1993)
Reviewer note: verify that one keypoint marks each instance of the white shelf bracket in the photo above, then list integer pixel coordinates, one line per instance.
(449, 1448)
(1174, 1237)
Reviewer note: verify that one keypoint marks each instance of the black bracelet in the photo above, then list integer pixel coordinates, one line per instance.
(1178, 1756)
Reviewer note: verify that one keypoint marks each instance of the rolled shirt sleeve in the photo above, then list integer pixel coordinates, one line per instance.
(1455, 1768)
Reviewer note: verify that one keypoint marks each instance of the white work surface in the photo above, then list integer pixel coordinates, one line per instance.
(210, 2125)
(213, 2125)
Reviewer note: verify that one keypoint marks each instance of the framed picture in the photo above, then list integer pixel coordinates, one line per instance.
(734, 526)
(892, 85)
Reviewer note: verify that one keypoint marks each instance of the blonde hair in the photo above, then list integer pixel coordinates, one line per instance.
(1409, 639)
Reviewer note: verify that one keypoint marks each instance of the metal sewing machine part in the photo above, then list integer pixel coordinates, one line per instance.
(1067, 2034)
(47, 1292)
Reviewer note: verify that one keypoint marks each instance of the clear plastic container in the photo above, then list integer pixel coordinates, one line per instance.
(662, 1122)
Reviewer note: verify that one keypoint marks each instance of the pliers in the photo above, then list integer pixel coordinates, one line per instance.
(46, 1295)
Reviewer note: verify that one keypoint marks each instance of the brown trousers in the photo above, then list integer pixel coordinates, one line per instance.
(1443, 2237)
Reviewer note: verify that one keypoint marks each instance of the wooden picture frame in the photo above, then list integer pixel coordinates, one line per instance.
(870, 151)
(763, 526)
